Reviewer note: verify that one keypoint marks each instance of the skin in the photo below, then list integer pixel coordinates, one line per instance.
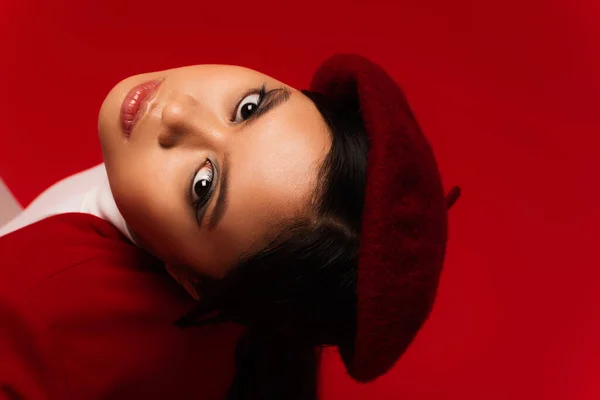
(272, 162)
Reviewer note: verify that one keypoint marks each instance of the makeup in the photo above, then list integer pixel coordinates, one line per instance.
(132, 108)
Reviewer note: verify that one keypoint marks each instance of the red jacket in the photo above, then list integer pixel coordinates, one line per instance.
(86, 315)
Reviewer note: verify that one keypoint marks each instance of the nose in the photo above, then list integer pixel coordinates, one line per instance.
(177, 118)
(177, 111)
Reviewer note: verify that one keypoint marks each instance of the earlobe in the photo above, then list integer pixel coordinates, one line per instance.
(186, 278)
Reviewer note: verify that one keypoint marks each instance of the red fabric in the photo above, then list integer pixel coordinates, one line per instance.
(404, 224)
(86, 315)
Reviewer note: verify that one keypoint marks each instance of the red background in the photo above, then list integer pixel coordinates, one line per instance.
(508, 91)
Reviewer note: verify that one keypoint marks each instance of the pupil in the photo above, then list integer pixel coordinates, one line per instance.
(248, 109)
(201, 185)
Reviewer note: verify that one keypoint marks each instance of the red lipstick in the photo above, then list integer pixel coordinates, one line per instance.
(135, 99)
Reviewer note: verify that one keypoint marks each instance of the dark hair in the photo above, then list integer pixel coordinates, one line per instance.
(298, 293)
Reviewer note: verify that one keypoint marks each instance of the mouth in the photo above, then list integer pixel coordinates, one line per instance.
(133, 108)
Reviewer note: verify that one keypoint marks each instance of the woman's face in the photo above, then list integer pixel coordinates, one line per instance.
(217, 158)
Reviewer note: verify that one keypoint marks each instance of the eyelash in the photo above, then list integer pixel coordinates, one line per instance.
(261, 92)
(198, 204)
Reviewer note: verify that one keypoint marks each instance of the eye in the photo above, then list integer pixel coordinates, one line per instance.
(202, 184)
(248, 106)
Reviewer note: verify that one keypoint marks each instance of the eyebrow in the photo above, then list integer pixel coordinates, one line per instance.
(273, 98)
(222, 198)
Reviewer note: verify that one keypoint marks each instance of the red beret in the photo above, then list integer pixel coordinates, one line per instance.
(404, 220)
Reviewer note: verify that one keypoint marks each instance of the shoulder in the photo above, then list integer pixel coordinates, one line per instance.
(101, 307)
(60, 245)
(31, 258)
(73, 259)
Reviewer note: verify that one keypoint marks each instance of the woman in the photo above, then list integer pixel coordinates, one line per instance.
(309, 218)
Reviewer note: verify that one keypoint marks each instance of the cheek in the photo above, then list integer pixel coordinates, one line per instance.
(156, 210)
(150, 203)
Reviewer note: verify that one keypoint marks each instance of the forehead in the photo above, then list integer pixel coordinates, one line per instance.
(285, 147)
(275, 164)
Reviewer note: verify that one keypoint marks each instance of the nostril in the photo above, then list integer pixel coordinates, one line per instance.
(170, 137)
(179, 119)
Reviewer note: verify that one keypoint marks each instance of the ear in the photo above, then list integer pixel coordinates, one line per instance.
(186, 278)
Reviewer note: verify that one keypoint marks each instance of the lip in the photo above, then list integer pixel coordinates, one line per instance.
(134, 103)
